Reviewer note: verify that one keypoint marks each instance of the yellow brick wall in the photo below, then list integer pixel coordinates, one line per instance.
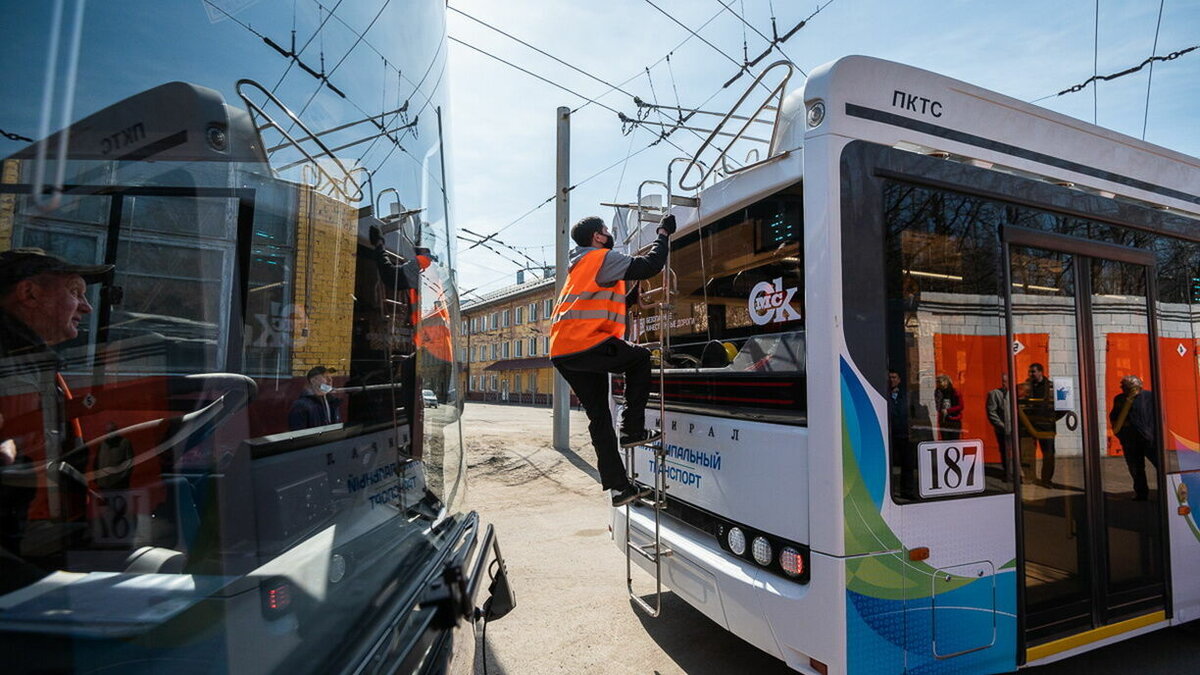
(9, 173)
(323, 286)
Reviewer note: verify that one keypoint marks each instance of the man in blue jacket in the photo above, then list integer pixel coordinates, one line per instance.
(316, 407)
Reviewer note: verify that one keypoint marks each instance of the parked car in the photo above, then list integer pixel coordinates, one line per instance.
(430, 398)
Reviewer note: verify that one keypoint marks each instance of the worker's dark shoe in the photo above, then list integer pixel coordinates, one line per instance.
(643, 437)
(628, 494)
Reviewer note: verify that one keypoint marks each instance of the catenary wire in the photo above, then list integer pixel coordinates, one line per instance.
(1112, 76)
(1150, 77)
(533, 74)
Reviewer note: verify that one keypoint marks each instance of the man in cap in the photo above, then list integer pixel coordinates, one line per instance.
(587, 342)
(43, 301)
(316, 407)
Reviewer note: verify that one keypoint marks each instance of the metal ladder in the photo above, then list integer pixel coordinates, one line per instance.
(657, 501)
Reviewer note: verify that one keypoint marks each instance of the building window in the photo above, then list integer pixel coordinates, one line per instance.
(547, 308)
(495, 350)
(506, 350)
(517, 344)
(546, 345)
(507, 318)
(495, 321)
(471, 387)
(533, 346)
(517, 382)
(533, 382)
(520, 316)
(533, 313)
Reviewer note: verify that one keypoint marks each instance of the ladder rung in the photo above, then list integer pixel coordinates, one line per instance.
(648, 551)
(678, 200)
(650, 345)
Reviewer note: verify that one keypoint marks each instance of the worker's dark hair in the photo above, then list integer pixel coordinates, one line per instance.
(582, 231)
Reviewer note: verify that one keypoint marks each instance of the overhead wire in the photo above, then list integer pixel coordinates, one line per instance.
(533, 74)
(772, 43)
(646, 69)
(296, 54)
(698, 36)
(380, 124)
(1112, 76)
(360, 37)
(652, 65)
(612, 87)
(1096, 64)
(1150, 77)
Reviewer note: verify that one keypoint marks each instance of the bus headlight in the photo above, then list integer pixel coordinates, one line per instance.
(762, 551)
(791, 561)
(736, 540)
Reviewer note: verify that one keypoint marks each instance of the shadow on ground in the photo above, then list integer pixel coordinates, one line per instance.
(580, 463)
(687, 637)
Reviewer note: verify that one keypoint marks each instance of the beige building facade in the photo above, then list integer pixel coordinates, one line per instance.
(507, 338)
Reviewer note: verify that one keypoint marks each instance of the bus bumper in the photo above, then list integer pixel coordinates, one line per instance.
(778, 616)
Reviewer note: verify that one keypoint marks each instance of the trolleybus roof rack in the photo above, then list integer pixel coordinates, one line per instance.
(775, 94)
(347, 187)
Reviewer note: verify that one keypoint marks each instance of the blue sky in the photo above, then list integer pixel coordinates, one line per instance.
(503, 121)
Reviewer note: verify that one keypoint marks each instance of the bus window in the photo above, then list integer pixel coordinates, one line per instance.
(1178, 312)
(739, 308)
(945, 329)
(739, 281)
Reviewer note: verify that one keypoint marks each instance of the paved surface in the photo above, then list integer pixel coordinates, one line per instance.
(572, 613)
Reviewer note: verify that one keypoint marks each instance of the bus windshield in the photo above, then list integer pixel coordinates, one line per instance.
(226, 293)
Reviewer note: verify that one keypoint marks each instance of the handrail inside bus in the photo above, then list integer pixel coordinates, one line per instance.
(777, 91)
(258, 110)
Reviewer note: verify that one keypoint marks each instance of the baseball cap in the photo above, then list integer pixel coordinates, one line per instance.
(22, 263)
(318, 370)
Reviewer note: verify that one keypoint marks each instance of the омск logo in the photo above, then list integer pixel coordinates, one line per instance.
(770, 302)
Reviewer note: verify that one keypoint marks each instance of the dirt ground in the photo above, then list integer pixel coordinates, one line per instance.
(573, 614)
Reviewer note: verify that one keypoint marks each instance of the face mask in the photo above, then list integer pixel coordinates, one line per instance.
(325, 388)
(609, 244)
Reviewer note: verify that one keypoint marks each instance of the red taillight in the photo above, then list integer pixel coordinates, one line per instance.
(276, 598)
(791, 561)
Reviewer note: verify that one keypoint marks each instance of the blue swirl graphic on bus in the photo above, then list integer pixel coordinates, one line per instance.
(905, 615)
(865, 435)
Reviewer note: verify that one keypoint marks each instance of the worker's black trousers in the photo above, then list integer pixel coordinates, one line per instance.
(587, 373)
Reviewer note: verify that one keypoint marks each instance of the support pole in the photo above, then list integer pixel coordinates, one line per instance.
(562, 392)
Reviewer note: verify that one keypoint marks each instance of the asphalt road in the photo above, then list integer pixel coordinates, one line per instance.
(573, 613)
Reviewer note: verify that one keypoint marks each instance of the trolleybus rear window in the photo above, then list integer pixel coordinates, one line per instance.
(737, 316)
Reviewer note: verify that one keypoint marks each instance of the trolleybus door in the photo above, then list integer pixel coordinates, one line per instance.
(1092, 551)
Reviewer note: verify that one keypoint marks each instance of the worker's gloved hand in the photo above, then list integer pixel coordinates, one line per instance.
(668, 225)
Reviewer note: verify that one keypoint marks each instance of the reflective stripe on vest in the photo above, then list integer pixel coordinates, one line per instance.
(587, 313)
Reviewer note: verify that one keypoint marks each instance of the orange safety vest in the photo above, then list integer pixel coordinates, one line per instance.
(434, 334)
(587, 313)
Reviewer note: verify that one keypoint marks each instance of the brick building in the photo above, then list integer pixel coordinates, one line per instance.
(507, 337)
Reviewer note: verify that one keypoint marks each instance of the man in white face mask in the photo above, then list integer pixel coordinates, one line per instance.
(316, 407)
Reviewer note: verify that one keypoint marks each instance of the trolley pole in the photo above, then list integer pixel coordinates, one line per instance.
(562, 393)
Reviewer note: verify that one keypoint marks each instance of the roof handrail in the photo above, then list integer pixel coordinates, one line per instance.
(258, 110)
(778, 91)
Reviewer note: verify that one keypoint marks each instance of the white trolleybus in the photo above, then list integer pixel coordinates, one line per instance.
(928, 380)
